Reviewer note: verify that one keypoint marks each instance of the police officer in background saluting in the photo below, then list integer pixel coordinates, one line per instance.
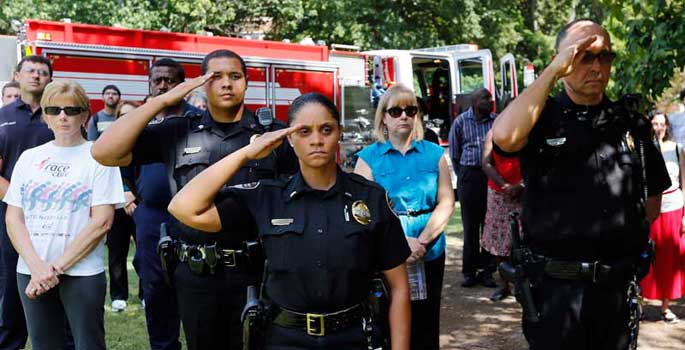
(214, 270)
(325, 234)
(593, 183)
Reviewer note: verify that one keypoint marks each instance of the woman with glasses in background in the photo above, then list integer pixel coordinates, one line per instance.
(416, 177)
(60, 205)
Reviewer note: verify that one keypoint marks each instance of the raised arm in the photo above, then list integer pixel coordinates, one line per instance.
(513, 125)
(114, 146)
(194, 205)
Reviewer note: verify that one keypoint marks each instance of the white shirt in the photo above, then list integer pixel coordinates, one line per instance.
(56, 187)
(672, 198)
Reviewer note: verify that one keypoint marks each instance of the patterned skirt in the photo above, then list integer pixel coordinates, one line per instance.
(496, 237)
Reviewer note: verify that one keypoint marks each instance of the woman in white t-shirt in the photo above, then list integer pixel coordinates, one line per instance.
(60, 205)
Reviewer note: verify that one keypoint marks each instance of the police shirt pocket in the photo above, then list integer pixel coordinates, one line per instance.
(282, 244)
(354, 249)
(189, 165)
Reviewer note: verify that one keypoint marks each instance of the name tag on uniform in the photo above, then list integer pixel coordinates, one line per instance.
(282, 222)
(191, 150)
(556, 142)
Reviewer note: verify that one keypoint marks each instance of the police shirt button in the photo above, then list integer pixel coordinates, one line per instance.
(200, 126)
(318, 263)
(319, 230)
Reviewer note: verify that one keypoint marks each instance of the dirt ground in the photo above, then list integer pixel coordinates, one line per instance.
(469, 320)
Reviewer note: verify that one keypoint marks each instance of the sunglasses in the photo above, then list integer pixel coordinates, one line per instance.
(71, 111)
(396, 112)
(605, 57)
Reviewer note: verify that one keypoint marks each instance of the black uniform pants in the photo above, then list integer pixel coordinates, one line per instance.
(425, 314)
(473, 192)
(579, 315)
(118, 241)
(210, 306)
(281, 338)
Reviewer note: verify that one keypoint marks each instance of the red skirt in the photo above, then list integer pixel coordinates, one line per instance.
(666, 278)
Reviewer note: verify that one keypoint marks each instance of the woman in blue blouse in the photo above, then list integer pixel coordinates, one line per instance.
(416, 177)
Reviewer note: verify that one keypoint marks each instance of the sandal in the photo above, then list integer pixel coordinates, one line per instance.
(669, 317)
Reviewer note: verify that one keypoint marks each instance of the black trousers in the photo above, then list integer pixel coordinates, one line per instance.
(579, 315)
(118, 240)
(280, 338)
(210, 306)
(425, 314)
(473, 192)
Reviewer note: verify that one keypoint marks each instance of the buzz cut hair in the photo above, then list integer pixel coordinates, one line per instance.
(564, 31)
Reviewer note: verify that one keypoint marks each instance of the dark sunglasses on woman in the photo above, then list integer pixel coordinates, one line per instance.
(396, 112)
(68, 110)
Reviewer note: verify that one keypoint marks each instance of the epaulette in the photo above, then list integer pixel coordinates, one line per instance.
(160, 120)
(191, 114)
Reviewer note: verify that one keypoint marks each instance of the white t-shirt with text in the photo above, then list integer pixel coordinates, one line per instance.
(56, 187)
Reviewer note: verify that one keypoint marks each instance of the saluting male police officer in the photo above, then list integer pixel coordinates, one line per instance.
(215, 269)
(588, 202)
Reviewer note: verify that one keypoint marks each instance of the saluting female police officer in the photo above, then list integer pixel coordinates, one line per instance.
(325, 233)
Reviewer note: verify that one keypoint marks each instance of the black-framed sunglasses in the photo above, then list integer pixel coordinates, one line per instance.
(605, 57)
(396, 112)
(71, 111)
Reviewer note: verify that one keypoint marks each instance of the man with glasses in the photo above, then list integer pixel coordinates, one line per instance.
(593, 183)
(466, 139)
(21, 128)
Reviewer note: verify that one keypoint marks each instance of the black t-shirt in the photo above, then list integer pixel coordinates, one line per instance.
(583, 181)
(322, 247)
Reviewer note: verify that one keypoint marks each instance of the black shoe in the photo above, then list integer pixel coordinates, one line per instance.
(469, 281)
(487, 281)
(500, 294)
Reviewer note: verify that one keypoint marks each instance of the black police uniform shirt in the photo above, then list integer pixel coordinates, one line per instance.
(582, 180)
(322, 247)
(149, 189)
(20, 129)
(189, 144)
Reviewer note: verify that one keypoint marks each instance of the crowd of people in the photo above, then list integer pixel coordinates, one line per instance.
(218, 200)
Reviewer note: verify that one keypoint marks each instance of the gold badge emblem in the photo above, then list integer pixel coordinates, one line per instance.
(630, 142)
(361, 213)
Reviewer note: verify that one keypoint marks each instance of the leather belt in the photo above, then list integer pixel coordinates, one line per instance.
(410, 212)
(595, 271)
(320, 324)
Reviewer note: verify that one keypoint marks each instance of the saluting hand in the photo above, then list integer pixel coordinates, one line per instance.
(264, 144)
(176, 95)
(565, 61)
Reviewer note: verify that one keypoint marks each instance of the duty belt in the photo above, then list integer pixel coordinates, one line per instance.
(320, 324)
(227, 257)
(595, 271)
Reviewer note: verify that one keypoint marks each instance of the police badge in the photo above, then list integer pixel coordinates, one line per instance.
(361, 212)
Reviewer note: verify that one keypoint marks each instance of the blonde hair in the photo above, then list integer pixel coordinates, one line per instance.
(393, 97)
(66, 88)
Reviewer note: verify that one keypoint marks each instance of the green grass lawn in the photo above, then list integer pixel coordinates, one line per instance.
(126, 330)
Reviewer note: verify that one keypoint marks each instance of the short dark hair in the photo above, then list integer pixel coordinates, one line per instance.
(312, 97)
(11, 84)
(564, 31)
(35, 59)
(222, 54)
(168, 62)
(111, 87)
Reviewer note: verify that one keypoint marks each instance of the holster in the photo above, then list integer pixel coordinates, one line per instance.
(255, 319)
(166, 249)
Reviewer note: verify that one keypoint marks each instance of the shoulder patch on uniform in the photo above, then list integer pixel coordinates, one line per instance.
(246, 186)
(391, 205)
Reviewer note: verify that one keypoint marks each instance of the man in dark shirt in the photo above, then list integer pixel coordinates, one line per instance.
(211, 292)
(593, 183)
(10, 92)
(99, 122)
(21, 128)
